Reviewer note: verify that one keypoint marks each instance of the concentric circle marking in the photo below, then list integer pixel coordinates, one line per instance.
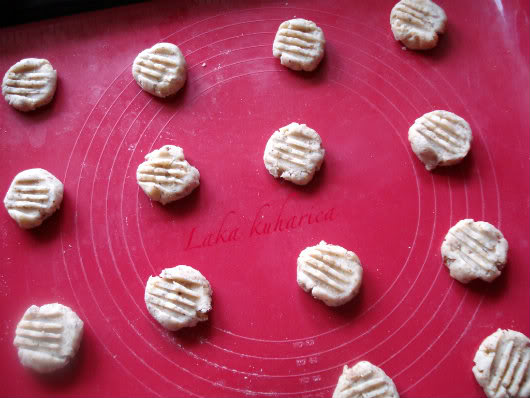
(307, 386)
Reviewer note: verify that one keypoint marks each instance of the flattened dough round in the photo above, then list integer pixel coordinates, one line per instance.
(474, 249)
(417, 23)
(364, 380)
(299, 44)
(160, 70)
(48, 337)
(502, 365)
(294, 153)
(166, 176)
(330, 273)
(440, 138)
(29, 84)
(180, 297)
(33, 196)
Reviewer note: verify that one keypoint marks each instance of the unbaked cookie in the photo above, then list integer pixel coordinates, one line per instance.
(166, 176)
(48, 337)
(417, 23)
(29, 84)
(502, 365)
(474, 249)
(331, 273)
(294, 153)
(180, 297)
(299, 44)
(365, 380)
(160, 70)
(440, 138)
(33, 196)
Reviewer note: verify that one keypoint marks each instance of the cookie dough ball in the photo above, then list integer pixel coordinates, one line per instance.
(180, 297)
(364, 380)
(417, 23)
(440, 138)
(474, 249)
(48, 337)
(294, 153)
(502, 365)
(166, 176)
(160, 70)
(29, 84)
(330, 273)
(33, 196)
(299, 44)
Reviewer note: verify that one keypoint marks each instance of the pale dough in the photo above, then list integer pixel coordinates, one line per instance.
(330, 273)
(29, 84)
(180, 297)
(417, 23)
(166, 176)
(364, 380)
(299, 44)
(160, 70)
(48, 337)
(33, 196)
(294, 153)
(502, 365)
(440, 138)
(474, 249)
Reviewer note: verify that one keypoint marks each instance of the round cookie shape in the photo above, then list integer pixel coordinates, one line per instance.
(417, 23)
(29, 84)
(166, 176)
(502, 365)
(440, 138)
(294, 153)
(48, 337)
(330, 273)
(299, 44)
(364, 380)
(474, 249)
(160, 70)
(179, 297)
(33, 196)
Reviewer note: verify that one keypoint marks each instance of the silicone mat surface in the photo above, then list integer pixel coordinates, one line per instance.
(242, 228)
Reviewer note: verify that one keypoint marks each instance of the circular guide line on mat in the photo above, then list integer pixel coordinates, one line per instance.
(224, 81)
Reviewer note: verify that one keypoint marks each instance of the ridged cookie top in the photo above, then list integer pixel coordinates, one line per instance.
(299, 44)
(440, 138)
(331, 273)
(365, 380)
(48, 337)
(166, 176)
(294, 153)
(180, 297)
(474, 249)
(29, 84)
(502, 365)
(33, 196)
(417, 23)
(160, 70)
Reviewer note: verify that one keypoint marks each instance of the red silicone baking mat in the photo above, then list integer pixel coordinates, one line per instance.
(242, 228)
